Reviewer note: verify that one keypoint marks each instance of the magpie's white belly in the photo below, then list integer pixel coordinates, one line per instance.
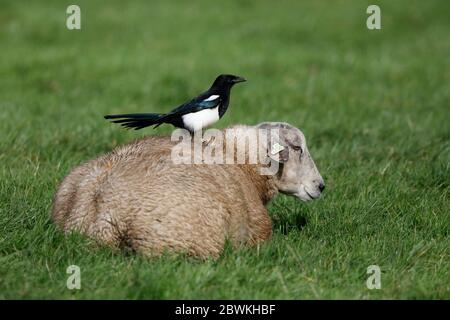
(201, 119)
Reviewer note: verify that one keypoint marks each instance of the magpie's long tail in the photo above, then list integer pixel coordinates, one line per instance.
(136, 121)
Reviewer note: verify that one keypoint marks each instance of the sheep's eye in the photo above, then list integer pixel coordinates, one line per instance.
(298, 148)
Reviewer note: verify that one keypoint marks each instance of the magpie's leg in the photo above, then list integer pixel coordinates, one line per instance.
(206, 142)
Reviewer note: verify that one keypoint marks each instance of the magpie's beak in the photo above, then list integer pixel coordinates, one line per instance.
(239, 79)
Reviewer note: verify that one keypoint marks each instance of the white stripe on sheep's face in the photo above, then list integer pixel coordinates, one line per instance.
(299, 175)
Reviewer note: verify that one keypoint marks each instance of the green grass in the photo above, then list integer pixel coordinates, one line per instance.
(374, 106)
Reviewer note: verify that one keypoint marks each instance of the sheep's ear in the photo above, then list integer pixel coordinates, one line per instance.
(279, 152)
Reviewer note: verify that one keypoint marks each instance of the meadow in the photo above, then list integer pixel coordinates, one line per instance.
(373, 104)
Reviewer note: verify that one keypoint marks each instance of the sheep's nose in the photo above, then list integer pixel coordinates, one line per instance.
(321, 187)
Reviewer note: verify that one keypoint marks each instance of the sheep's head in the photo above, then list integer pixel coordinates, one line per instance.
(298, 174)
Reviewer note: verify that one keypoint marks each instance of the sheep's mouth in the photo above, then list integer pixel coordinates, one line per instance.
(303, 194)
(310, 195)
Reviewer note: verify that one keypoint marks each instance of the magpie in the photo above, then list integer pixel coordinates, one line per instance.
(200, 112)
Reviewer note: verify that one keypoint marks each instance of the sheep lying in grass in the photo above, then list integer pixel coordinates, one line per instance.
(137, 196)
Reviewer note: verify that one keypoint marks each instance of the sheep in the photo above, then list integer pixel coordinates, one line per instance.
(137, 197)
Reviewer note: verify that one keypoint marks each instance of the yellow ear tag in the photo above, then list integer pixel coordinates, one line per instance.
(276, 148)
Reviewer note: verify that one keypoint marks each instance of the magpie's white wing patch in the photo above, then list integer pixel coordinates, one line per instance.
(212, 97)
(198, 120)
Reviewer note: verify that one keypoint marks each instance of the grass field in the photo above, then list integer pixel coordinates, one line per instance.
(374, 106)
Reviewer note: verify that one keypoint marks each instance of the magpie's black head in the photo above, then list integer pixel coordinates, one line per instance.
(227, 81)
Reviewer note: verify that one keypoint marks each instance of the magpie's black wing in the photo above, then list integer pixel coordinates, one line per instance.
(202, 102)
